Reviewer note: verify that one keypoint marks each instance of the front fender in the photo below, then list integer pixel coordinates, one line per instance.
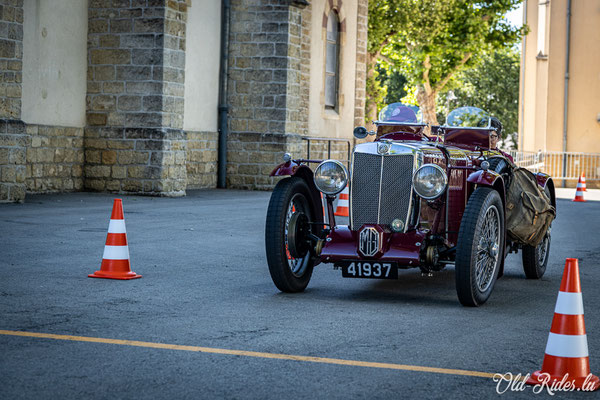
(484, 178)
(487, 178)
(284, 169)
(304, 172)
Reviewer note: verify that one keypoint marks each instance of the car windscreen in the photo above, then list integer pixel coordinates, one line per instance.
(468, 117)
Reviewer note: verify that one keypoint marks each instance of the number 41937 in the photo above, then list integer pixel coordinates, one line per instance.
(368, 270)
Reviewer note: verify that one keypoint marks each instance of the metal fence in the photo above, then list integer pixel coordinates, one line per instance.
(319, 148)
(560, 165)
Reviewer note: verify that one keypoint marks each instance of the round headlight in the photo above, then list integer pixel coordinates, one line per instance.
(331, 177)
(430, 181)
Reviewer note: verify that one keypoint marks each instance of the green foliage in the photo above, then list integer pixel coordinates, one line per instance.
(394, 82)
(493, 86)
(376, 94)
(445, 30)
(430, 41)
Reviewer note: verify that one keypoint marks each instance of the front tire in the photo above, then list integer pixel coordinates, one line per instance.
(289, 274)
(480, 247)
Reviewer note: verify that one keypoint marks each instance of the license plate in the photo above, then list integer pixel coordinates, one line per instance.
(369, 269)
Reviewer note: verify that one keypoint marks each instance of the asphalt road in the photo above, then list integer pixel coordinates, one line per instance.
(205, 283)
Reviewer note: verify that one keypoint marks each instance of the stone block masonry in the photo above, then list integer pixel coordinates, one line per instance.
(361, 63)
(201, 160)
(11, 58)
(138, 160)
(269, 103)
(13, 138)
(13, 152)
(134, 141)
(55, 158)
(252, 157)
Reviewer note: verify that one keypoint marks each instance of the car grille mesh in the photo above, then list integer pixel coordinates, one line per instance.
(396, 189)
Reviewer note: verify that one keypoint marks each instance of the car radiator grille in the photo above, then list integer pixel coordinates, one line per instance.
(381, 189)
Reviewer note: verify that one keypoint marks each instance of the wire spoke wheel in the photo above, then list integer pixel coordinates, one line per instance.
(487, 249)
(479, 252)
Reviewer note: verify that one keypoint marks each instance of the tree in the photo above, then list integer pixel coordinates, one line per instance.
(493, 86)
(432, 40)
(393, 81)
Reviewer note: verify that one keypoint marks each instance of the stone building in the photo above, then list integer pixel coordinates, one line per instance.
(123, 96)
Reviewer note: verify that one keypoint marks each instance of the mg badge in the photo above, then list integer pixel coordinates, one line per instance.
(383, 148)
(369, 242)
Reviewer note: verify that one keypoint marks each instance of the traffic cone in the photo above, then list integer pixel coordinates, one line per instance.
(342, 207)
(566, 358)
(579, 191)
(582, 180)
(115, 261)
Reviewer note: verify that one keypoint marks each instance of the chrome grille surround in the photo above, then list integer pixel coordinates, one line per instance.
(381, 185)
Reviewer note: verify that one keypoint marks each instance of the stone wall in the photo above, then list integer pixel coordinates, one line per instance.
(267, 95)
(252, 156)
(134, 139)
(296, 90)
(13, 138)
(258, 66)
(360, 95)
(201, 160)
(11, 56)
(13, 150)
(54, 159)
(138, 160)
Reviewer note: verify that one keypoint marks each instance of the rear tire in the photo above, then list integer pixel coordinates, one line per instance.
(290, 275)
(480, 247)
(535, 259)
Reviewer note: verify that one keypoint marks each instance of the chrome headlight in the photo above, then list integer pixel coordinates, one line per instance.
(331, 177)
(430, 181)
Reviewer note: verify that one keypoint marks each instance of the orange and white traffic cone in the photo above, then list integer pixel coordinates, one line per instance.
(582, 180)
(115, 261)
(579, 191)
(567, 358)
(343, 203)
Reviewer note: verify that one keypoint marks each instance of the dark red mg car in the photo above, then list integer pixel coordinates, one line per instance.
(417, 200)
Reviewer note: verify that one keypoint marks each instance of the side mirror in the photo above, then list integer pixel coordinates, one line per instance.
(360, 132)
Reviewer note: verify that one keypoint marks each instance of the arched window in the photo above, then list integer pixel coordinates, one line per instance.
(332, 56)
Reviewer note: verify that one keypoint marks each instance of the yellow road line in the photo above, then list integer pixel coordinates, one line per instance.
(211, 350)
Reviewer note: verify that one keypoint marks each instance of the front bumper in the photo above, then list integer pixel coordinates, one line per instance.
(403, 248)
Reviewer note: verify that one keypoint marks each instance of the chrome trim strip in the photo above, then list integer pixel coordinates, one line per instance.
(350, 189)
(447, 206)
(380, 185)
(395, 149)
(417, 161)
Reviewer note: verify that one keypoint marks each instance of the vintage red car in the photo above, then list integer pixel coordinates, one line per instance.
(417, 200)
